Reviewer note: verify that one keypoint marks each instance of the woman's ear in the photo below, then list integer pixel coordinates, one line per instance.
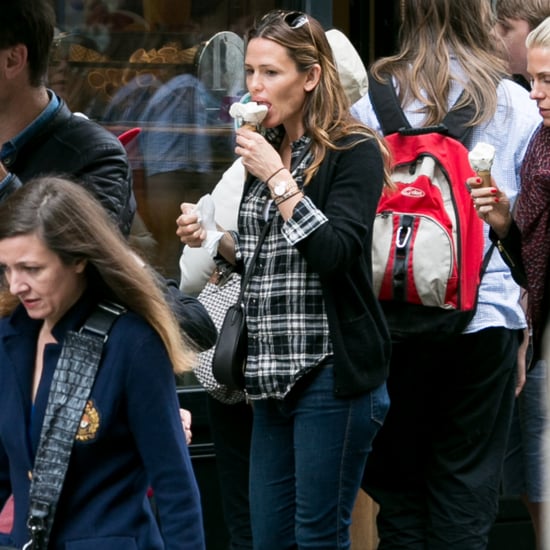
(313, 77)
(80, 266)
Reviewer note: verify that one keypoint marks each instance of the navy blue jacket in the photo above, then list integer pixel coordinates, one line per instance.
(134, 439)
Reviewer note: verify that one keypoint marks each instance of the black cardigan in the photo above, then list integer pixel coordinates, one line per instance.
(359, 334)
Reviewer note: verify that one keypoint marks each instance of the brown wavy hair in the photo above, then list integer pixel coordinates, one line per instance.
(532, 11)
(327, 117)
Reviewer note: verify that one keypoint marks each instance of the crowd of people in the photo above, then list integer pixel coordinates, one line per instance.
(433, 430)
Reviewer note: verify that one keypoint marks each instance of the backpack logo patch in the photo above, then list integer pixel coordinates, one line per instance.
(413, 192)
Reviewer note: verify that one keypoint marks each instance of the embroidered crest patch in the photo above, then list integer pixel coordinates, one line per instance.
(89, 423)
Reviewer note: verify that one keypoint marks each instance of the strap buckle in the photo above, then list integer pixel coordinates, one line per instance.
(102, 318)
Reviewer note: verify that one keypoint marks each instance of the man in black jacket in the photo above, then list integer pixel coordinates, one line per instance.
(38, 132)
(39, 135)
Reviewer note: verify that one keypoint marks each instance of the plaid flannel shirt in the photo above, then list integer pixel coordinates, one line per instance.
(288, 332)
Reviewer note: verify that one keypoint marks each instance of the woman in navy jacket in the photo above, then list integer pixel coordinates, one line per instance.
(60, 255)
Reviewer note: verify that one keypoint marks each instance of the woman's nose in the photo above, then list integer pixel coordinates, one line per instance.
(17, 283)
(254, 83)
(538, 90)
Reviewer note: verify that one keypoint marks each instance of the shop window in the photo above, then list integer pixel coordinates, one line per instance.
(172, 68)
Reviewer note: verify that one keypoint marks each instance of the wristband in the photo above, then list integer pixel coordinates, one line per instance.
(286, 196)
(274, 174)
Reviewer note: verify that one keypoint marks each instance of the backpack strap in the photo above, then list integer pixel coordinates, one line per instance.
(392, 118)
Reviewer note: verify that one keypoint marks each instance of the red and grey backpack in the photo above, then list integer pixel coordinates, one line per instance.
(428, 240)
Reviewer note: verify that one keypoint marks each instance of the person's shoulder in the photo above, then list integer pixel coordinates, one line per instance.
(510, 86)
(357, 141)
(361, 105)
(5, 323)
(516, 108)
(75, 129)
(95, 132)
(131, 326)
(357, 151)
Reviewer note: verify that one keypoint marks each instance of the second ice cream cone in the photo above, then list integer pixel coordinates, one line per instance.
(485, 176)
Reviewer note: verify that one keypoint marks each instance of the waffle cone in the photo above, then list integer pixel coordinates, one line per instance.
(485, 176)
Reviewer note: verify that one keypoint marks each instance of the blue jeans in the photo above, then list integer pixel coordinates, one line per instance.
(525, 462)
(307, 459)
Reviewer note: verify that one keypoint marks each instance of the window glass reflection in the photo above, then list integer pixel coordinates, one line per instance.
(172, 68)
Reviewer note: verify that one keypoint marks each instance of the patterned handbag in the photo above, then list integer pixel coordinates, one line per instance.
(219, 293)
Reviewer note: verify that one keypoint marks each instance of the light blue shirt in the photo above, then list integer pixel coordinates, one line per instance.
(510, 130)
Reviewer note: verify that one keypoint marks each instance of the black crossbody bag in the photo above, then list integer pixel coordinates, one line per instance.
(229, 361)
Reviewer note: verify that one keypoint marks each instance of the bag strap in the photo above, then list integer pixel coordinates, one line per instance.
(248, 272)
(486, 260)
(295, 163)
(392, 118)
(69, 392)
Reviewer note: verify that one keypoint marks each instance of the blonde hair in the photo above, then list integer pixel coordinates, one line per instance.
(73, 225)
(432, 34)
(539, 37)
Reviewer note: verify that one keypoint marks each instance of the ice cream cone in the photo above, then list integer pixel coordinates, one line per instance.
(485, 176)
(250, 126)
(248, 115)
(481, 160)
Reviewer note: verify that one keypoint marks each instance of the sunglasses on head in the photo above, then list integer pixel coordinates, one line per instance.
(294, 19)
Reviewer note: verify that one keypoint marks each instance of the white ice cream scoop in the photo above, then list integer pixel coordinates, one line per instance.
(250, 113)
(481, 160)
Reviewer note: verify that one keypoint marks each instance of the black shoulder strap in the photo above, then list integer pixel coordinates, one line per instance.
(101, 320)
(392, 118)
(386, 106)
(248, 272)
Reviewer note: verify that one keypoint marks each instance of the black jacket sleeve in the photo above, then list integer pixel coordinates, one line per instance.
(510, 250)
(192, 316)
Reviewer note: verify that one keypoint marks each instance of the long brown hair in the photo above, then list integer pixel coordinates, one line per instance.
(73, 225)
(327, 117)
(432, 34)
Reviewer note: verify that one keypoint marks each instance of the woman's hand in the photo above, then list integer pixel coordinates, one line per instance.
(189, 230)
(185, 416)
(492, 205)
(258, 156)
(521, 364)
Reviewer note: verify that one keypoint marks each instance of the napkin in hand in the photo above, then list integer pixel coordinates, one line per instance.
(206, 210)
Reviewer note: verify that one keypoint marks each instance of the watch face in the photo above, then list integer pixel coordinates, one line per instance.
(279, 188)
